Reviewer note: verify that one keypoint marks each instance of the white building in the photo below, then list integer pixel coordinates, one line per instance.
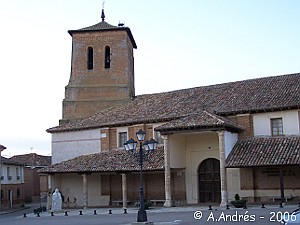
(210, 137)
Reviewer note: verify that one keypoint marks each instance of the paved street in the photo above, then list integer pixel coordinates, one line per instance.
(160, 216)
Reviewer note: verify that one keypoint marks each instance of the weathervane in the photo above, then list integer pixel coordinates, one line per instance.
(102, 14)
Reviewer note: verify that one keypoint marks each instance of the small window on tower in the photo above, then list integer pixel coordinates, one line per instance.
(90, 58)
(107, 57)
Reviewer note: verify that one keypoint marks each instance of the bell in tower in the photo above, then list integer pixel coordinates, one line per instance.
(102, 69)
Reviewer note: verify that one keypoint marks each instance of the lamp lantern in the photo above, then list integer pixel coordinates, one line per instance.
(130, 145)
(140, 135)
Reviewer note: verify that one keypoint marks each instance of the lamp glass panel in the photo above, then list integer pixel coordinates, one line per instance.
(152, 144)
(140, 135)
(131, 144)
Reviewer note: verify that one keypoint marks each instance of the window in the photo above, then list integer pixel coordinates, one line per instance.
(18, 193)
(159, 138)
(18, 173)
(90, 58)
(9, 195)
(107, 57)
(122, 138)
(8, 173)
(276, 127)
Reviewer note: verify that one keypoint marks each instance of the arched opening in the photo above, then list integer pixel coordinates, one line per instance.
(90, 58)
(107, 57)
(209, 181)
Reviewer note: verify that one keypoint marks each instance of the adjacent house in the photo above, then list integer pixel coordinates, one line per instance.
(214, 141)
(12, 184)
(32, 163)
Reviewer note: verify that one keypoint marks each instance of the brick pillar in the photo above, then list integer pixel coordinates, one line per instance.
(246, 121)
(105, 140)
(168, 202)
(85, 191)
(124, 190)
(222, 169)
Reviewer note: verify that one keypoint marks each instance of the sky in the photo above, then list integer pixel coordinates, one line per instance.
(180, 44)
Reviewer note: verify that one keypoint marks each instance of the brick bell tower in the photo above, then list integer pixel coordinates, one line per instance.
(102, 69)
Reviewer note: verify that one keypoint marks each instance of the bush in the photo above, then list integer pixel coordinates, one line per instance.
(39, 210)
(237, 197)
(238, 203)
(147, 204)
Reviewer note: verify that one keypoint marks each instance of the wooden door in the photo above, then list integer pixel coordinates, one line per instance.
(209, 181)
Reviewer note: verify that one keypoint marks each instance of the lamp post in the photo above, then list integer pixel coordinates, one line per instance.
(1, 149)
(131, 145)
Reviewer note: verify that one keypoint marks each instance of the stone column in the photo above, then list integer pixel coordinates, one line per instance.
(85, 191)
(222, 169)
(168, 202)
(124, 190)
(49, 199)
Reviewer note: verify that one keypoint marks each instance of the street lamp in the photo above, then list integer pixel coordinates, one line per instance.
(1, 149)
(151, 145)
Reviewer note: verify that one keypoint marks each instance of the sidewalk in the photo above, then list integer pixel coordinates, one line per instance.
(194, 208)
(27, 206)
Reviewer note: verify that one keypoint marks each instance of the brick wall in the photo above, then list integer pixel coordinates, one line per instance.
(109, 136)
(245, 121)
(113, 138)
(17, 200)
(29, 185)
(153, 184)
(43, 183)
(105, 140)
(178, 187)
(89, 91)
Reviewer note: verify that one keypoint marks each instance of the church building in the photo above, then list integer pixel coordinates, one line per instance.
(214, 141)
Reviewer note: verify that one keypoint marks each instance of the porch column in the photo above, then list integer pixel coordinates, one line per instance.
(168, 200)
(281, 185)
(85, 191)
(222, 169)
(49, 195)
(124, 190)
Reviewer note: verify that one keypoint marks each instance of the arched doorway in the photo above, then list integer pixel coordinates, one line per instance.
(209, 181)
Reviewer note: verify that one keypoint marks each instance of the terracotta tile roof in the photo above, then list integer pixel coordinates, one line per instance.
(104, 26)
(9, 161)
(255, 95)
(99, 26)
(113, 161)
(199, 120)
(265, 151)
(33, 159)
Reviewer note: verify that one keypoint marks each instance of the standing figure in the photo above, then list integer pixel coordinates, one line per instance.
(56, 201)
